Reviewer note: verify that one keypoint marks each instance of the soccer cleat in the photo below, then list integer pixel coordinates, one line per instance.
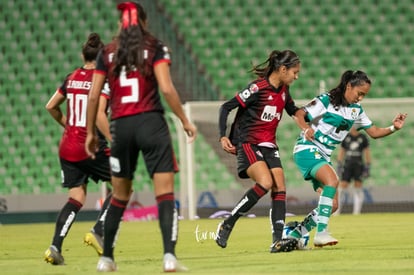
(171, 264)
(284, 245)
(94, 240)
(323, 239)
(223, 233)
(106, 264)
(53, 256)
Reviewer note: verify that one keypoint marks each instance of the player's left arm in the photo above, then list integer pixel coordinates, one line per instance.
(102, 122)
(98, 81)
(378, 132)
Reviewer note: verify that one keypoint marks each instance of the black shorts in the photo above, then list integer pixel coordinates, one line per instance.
(75, 174)
(247, 154)
(352, 171)
(147, 133)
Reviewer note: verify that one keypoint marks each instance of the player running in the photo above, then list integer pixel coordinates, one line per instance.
(253, 140)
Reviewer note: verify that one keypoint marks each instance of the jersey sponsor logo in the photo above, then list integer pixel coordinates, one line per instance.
(270, 113)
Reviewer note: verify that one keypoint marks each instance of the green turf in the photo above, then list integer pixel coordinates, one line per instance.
(368, 244)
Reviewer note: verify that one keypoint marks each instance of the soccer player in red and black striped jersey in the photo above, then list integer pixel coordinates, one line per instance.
(77, 166)
(136, 65)
(253, 139)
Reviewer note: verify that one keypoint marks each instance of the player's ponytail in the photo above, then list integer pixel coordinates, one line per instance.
(132, 40)
(275, 60)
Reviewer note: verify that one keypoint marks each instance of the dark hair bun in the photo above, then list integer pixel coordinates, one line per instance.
(94, 40)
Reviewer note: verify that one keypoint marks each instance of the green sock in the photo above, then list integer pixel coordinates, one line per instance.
(325, 207)
(306, 225)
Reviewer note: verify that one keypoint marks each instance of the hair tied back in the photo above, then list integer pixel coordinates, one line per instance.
(129, 14)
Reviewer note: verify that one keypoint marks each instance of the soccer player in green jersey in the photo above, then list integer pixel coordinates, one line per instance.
(331, 116)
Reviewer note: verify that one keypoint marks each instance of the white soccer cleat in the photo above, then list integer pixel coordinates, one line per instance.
(106, 264)
(323, 239)
(171, 264)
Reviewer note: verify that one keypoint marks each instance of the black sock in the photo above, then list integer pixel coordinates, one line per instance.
(250, 198)
(98, 227)
(168, 221)
(278, 214)
(64, 222)
(113, 218)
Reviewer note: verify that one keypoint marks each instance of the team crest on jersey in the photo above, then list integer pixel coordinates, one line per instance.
(354, 113)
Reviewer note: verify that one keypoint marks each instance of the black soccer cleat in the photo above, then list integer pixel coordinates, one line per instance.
(284, 245)
(223, 233)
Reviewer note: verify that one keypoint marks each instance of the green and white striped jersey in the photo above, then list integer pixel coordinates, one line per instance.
(331, 125)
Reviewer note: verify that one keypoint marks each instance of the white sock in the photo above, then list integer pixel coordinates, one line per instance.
(358, 200)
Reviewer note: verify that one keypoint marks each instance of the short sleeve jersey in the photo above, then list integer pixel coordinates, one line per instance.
(76, 89)
(331, 125)
(354, 147)
(260, 111)
(132, 93)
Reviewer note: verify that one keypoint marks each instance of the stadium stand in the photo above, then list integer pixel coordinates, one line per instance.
(213, 44)
(329, 38)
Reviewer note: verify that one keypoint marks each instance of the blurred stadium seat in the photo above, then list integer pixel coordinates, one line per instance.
(42, 43)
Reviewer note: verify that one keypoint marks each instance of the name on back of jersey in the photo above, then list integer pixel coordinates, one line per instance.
(76, 84)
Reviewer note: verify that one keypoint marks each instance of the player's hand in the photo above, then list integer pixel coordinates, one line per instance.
(399, 120)
(308, 134)
(91, 145)
(191, 131)
(227, 145)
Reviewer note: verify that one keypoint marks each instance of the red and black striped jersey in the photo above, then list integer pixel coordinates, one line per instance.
(260, 109)
(76, 89)
(132, 93)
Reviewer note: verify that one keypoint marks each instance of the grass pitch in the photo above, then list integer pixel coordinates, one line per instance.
(368, 244)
